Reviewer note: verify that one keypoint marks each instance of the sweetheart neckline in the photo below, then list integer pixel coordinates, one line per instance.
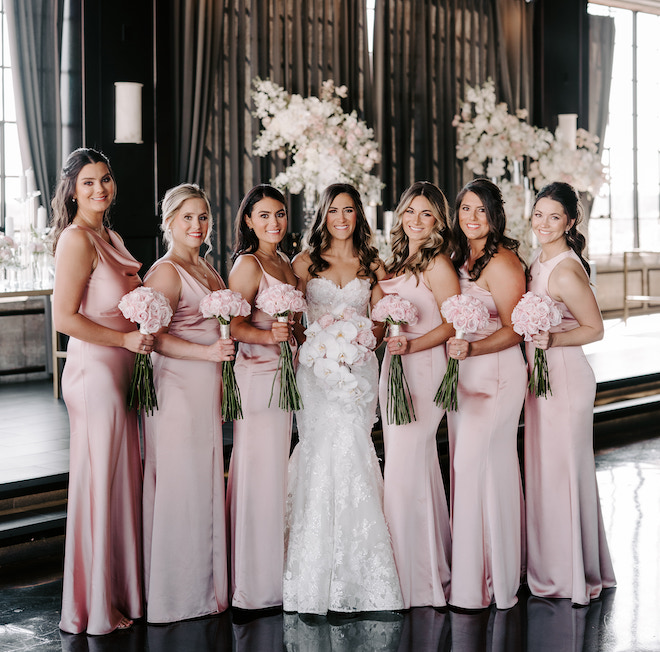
(339, 287)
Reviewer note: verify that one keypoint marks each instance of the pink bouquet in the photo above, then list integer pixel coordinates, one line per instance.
(337, 342)
(280, 301)
(152, 311)
(223, 305)
(535, 314)
(467, 315)
(395, 311)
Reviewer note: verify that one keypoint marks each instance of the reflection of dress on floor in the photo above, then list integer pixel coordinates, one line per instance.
(567, 553)
(415, 503)
(486, 492)
(338, 551)
(256, 488)
(102, 570)
(185, 548)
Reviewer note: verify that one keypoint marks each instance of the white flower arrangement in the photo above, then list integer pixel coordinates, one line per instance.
(326, 144)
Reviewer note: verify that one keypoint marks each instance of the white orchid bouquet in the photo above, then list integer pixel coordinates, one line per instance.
(326, 145)
(8, 251)
(336, 343)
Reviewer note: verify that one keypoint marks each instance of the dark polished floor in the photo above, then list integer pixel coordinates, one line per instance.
(624, 619)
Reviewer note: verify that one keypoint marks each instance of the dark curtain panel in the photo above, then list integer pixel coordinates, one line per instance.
(297, 44)
(196, 25)
(426, 53)
(35, 38)
(601, 59)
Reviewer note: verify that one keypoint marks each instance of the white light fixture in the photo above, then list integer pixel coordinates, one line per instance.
(128, 112)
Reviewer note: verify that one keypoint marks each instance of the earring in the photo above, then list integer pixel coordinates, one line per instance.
(73, 199)
(565, 232)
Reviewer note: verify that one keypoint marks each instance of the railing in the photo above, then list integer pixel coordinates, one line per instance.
(645, 297)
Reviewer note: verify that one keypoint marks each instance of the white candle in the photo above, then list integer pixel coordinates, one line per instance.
(23, 181)
(9, 226)
(128, 112)
(31, 181)
(32, 214)
(567, 130)
(371, 216)
(42, 218)
(388, 220)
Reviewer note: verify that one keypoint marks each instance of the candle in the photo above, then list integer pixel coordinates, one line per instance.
(388, 220)
(31, 181)
(23, 181)
(566, 132)
(9, 226)
(42, 218)
(32, 213)
(371, 216)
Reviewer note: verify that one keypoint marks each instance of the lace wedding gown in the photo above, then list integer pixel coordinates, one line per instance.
(338, 554)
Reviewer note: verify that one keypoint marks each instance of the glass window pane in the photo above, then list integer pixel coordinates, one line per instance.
(13, 192)
(13, 164)
(6, 56)
(9, 104)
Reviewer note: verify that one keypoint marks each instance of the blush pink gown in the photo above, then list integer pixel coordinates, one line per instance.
(102, 570)
(185, 549)
(567, 553)
(414, 500)
(486, 494)
(257, 486)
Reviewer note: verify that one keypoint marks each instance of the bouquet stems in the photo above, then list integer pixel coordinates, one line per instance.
(231, 395)
(400, 408)
(289, 395)
(142, 393)
(539, 381)
(447, 394)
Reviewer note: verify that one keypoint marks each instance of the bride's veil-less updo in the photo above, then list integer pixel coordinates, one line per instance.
(318, 237)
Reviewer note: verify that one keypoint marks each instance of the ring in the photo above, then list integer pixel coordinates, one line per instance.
(400, 344)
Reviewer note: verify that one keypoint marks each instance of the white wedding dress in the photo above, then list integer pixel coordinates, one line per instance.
(338, 554)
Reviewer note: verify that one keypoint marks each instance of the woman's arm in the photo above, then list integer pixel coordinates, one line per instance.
(166, 279)
(75, 261)
(441, 278)
(505, 278)
(244, 278)
(568, 283)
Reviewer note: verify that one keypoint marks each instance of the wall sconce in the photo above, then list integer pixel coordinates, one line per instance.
(128, 112)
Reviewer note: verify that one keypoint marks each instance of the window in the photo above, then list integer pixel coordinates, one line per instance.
(627, 213)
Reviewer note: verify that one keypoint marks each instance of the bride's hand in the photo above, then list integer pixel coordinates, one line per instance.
(280, 331)
(397, 345)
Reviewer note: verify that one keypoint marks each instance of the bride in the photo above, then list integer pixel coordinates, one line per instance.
(338, 554)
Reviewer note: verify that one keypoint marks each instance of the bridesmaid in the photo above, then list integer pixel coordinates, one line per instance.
(486, 497)
(102, 587)
(415, 502)
(185, 554)
(567, 554)
(256, 491)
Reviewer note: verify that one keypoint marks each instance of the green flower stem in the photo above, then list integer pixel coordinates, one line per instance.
(289, 395)
(539, 381)
(447, 395)
(142, 393)
(400, 408)
(230, 404)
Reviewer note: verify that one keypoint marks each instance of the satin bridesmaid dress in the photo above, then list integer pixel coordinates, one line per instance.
(185, 548)
(567, 553)
(102, 560)
(415, 502)
(257, 486)
(485, 492)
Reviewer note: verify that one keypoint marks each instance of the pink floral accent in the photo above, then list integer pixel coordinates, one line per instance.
(146, 307)
(280, 300)
(465, 313)
(223, 305)
(395, 310)
(535, 314)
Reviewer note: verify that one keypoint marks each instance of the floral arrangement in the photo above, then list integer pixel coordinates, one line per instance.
(581, 167)
(535, 314)
(280, 301)
(223, 305)
(7, 251)
(396, 311)
(152, 311)
(335, 343)
(326, 144)
(467, 315)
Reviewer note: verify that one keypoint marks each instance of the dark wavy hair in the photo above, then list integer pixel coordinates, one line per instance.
(318, 237)
(246, 241)
(491, 197)
(63, 204)
(568, 197)
(436, 243)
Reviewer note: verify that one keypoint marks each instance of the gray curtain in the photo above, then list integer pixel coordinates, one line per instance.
(196, 27)
(296, 43)
(601, 59)
(35, 38)
(425, 55)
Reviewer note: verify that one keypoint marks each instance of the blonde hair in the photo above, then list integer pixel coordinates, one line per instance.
(172, 202)
(436, 242)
